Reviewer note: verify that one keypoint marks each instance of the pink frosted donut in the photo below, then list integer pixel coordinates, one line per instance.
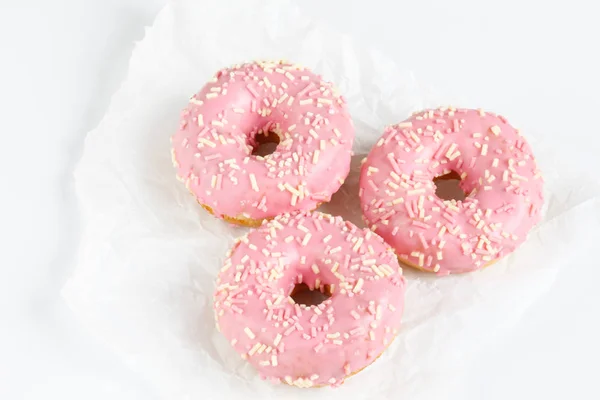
(311, 345)
(498, 175)
(263, 101)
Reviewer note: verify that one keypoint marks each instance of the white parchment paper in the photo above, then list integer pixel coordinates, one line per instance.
(149, 254)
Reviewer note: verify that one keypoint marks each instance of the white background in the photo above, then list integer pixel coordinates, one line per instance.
(61, 61)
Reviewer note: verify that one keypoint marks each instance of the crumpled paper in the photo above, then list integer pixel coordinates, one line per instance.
(149, 254)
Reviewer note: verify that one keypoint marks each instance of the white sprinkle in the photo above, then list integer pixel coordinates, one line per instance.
(281, 99)
(217, 123)
(453, 156)
(358, 285)
(207, 142)
(377, 270)
(249, 333)
(303, 228)
(306, 101)
(291, 189)
(277, 340)
(451, 150)
(358, 243)
(211, 95)
(289, 239)
(306, 239)
(392, 185)
(262, 348)
(337, 132)
(200, 120)
(495, 130)
(238, 110)
(314, 267)
(387, 270)
(315, 158)
(253, 182)
(416, 191)
(254, 349)
(484, 149)
(354, 314)
(274, 360)
(378, 312)
(326, 238)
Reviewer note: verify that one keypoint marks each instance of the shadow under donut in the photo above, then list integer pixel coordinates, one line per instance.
(345, 201)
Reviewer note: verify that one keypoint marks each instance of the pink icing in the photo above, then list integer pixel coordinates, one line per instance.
(212, 150)
(309, 345)
(499, 174)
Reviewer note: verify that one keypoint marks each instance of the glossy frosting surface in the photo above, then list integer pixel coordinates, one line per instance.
(499, 175)
(310, 345)
(212, 150)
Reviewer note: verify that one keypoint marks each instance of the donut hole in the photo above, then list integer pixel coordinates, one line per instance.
(447, 187)
(265, 143)
(303, 294)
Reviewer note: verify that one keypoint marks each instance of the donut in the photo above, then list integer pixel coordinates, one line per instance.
(309, 345)
(245, 105)
(502, 185)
